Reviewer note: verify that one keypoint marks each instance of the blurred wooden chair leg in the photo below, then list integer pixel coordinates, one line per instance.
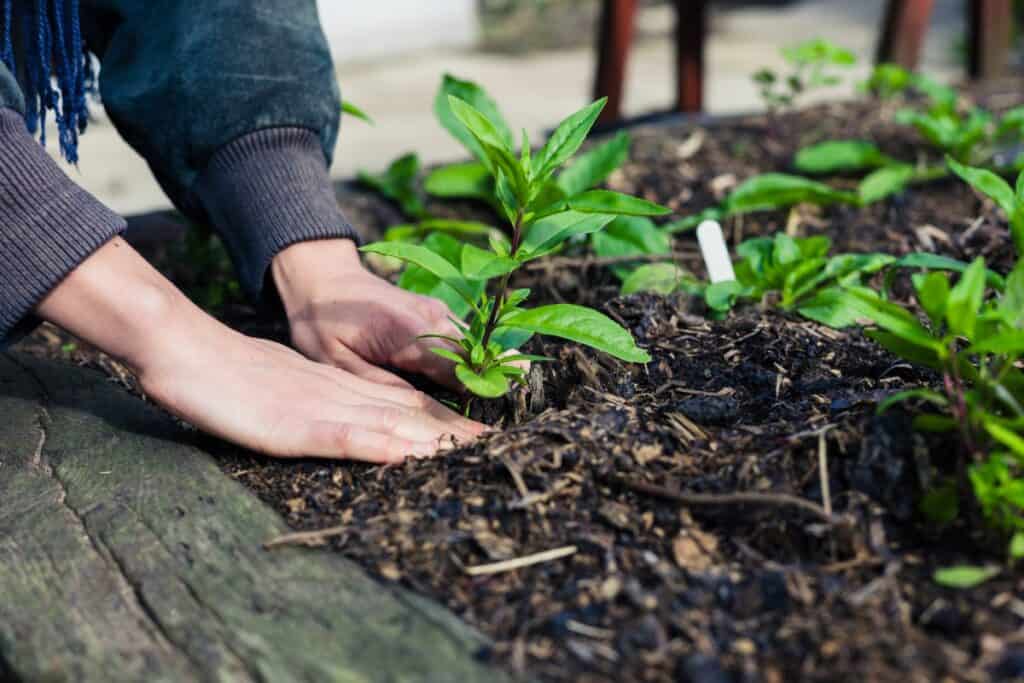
(618, 18)
(691, 37)
(905, 25)
(990, 30)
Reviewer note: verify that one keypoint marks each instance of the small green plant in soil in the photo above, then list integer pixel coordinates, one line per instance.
(774, 191)
(811, 67)
(970, 135)
(539, 222)
(974, 337)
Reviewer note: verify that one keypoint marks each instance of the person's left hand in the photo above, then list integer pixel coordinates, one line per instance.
(343, 315)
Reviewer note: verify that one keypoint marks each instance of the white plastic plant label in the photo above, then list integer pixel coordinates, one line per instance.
(715, 252)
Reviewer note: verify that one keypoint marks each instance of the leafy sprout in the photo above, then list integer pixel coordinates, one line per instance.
(810, 63)
(539, 221)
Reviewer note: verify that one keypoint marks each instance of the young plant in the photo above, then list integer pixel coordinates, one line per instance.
(799, 274)
(538, 223)
(974, 337)
(398, 183)
(811, 65)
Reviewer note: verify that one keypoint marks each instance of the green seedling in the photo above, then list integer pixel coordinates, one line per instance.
(398, 183)
(538, 223)
(811, 65)
(973, 335)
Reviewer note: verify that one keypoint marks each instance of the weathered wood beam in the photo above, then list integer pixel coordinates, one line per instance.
(126, 554)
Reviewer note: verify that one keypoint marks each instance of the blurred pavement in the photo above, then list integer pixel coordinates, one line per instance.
(538, 89)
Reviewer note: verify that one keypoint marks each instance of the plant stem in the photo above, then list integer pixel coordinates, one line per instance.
(499, 298)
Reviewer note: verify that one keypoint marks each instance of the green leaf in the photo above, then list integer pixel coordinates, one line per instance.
(592, 167)
(480, 264)
(630, 236)
(988, 183)
(779, 190)
(964, 576)
(1012, 302)
(835, 307)
(551, 231)
(913, 350)
(420, 280)
(607, 201)
(965, 299)
(352, 110)
(1005, 436)
(938, 424)
(927, 395)
(510, 338)
(450, 355)
(469, 180)
(661, 278)
(495, 147)
(491, 384)
(566, 139)
(470, 92)
(884, 182)
(582, 325)
(1007, 343)
(933, 295)
(398, 183)
(722, 296)
(840, 156)
(937, 262)
(1017, 546)
(434, 263)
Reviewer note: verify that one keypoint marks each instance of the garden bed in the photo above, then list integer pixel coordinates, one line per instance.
(800, 557)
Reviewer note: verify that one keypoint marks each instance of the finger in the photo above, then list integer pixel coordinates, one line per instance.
(350, 361)
(420, 359)
(407, 423)
(340, 440)
(351, 389)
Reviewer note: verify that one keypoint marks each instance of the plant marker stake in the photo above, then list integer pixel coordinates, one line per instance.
(714, 251)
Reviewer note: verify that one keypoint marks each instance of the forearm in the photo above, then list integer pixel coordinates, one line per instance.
(119, 303)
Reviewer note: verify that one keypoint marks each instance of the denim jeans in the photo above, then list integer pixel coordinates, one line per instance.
(182, 78)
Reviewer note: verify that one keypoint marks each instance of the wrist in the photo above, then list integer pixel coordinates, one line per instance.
(298, 271)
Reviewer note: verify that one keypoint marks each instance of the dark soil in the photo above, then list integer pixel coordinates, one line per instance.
(600, 457)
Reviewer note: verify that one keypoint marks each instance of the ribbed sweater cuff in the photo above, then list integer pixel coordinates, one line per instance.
(48, 225)
(266, 191)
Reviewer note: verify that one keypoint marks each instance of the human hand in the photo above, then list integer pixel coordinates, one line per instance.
(253, 392)
(343, 315)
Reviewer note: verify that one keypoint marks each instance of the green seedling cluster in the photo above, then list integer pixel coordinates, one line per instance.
(968, 135)
(539, 221)
(812, 66)
(974, 336)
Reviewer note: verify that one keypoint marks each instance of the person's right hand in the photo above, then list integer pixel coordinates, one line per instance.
(253, 392)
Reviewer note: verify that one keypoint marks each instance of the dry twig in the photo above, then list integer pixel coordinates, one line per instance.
(520, 562)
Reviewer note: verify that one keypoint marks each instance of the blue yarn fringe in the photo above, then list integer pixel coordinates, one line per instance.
(54, 54)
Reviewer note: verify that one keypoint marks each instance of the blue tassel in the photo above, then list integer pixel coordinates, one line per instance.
(54, 52)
